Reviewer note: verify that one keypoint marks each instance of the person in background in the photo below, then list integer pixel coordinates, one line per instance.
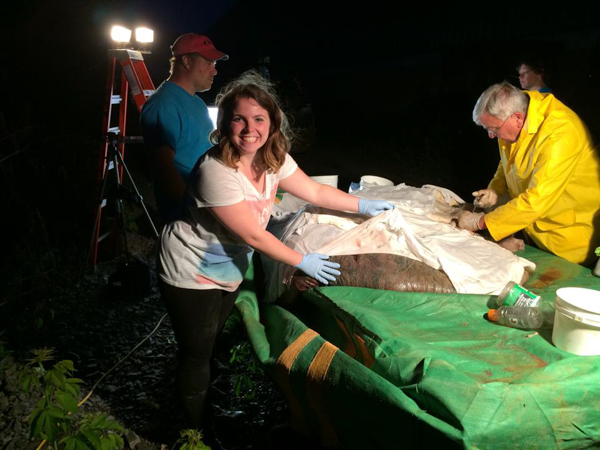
(175, 121)
(549, 167)
(532, 75)
(203, 256)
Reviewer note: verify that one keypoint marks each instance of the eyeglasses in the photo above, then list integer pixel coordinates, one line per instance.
(493, 132)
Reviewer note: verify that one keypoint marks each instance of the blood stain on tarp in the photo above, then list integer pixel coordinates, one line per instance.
(488, 372)
(538, 363)
(546, 278)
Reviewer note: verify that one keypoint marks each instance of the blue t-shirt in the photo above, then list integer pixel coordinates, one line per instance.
(173, 117)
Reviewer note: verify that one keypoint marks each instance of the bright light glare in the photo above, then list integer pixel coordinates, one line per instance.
(120, 34)
(213, 112)
(144, 35)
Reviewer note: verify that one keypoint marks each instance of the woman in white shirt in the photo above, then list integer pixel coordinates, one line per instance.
(204, 256)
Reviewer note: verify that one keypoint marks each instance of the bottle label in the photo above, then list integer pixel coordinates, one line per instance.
(519, 296)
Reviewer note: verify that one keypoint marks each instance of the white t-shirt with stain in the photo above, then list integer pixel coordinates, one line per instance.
(198, 252)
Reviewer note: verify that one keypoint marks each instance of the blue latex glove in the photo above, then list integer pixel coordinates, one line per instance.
(317, 266)
(373, 207)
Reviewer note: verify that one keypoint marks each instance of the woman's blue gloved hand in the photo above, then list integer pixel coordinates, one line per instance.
(317, 266)
(373, 207)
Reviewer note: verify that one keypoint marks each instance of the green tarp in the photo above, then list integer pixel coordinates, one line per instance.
(416, 370)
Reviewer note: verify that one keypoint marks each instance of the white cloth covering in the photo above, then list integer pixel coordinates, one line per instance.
(419, 227)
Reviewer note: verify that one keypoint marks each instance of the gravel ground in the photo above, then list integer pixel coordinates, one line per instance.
(96, 325)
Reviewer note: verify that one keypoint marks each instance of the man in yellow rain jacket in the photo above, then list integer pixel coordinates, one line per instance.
(548, 166)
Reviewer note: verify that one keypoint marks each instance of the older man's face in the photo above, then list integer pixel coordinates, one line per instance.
(507, 130)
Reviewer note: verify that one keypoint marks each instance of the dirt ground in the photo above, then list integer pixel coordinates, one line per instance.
(100, 322)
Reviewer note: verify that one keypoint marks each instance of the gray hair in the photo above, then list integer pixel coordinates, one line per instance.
(501, 101)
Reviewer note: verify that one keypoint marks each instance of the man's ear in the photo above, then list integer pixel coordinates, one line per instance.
(520, 118)
(186, 61)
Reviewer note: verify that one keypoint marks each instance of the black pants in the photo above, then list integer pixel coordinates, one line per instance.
(197, 317)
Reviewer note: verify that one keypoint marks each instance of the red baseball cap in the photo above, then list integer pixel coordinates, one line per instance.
(196, 43)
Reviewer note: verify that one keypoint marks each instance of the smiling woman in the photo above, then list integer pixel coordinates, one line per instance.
(249, 127)
(204, 255)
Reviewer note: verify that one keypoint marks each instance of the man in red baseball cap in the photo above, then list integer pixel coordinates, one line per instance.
(195, 43)
(175, 121)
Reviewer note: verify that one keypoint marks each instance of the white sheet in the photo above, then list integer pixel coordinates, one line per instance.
(419, 227)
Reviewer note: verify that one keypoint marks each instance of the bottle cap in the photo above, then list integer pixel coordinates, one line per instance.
(493, 315)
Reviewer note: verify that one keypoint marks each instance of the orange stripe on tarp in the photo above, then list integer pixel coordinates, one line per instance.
(283, 369)
(368, 360)
(350, 349)
(315, 381)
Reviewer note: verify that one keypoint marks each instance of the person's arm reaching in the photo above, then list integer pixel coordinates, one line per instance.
(239, 220)
(300, 185)
(554, 166)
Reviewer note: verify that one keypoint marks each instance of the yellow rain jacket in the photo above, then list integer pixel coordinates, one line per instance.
(552, 174)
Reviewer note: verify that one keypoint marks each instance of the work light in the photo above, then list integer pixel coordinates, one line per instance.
(144, 35)
(120, 34)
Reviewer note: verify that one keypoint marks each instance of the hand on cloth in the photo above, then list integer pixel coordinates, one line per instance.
(485, 198)
(373, 207)
(470, 221)
(512, 244)
(317, 266)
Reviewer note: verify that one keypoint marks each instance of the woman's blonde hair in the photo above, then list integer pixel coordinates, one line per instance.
(251, 85)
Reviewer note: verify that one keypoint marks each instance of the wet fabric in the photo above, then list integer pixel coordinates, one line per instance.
(365, 368)
(418, 228)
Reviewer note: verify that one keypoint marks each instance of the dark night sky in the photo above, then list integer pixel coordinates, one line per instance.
(392, 74)
(56, 45)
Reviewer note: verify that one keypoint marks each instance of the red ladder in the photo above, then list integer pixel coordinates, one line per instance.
(136, 80)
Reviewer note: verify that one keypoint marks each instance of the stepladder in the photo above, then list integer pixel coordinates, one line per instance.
(126, 74)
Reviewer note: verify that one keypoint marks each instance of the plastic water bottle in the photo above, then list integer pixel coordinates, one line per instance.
(516, 295)
(523, 317)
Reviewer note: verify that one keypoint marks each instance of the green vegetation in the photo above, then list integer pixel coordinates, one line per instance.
(244, 364)
(57, 418)
(192, 440)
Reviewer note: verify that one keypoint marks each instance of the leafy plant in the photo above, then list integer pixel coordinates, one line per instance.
(191, 440)
(55, 418)
(95, 432)
(242, 356)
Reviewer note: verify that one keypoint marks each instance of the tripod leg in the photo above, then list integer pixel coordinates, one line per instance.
(137, 192)
(116, 156)
(94, 240)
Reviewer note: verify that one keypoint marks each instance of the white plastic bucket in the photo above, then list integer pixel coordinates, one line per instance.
(577, 321)
(372, 180)
(330, 180)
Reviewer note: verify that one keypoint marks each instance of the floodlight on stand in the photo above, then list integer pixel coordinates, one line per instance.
(144, 35)
(120, 34)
